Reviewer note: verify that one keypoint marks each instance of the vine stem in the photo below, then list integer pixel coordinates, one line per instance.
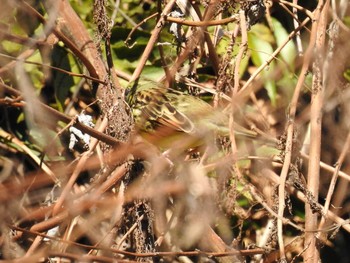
(290, 127)
(152, 41)
(313, 177)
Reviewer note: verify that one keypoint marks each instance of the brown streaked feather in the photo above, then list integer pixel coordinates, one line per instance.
(176, 110)
(173, 118)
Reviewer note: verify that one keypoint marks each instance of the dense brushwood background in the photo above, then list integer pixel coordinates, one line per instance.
(280, 196)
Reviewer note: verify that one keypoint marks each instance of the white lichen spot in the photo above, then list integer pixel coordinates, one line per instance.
(76, 134)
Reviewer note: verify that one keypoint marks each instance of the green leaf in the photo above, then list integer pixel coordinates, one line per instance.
(288, 53)
(267, 151)
(83, 8)
(346, 20)
(153, 73)
(11, 47)
(261, 48)
(62, 82)
(271, 89)
(34, 71)
(259, 42)
(347, 75)
(221, 47)
(41, 137)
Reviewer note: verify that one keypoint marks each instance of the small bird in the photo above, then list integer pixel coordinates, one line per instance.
(155, 107)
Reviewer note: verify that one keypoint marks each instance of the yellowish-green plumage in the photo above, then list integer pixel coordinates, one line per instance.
(154, 106)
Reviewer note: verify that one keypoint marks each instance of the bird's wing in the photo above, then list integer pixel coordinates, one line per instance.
(166, 114)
